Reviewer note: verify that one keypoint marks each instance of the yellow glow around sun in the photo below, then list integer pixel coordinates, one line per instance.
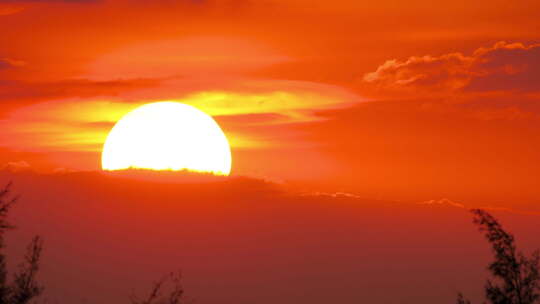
(167, 136)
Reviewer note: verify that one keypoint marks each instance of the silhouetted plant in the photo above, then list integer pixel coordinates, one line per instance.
(462, 300)
(174, 296)
(24, 287)
(516, 278)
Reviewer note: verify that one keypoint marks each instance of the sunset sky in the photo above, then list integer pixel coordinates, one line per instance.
(367, 96)
(395, 101)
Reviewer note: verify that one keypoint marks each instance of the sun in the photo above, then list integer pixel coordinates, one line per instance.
(167, 136)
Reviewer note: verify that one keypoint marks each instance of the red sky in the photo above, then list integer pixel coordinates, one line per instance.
(395, 101)
(248, 241)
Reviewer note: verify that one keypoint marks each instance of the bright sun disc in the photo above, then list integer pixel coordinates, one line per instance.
(167, 136)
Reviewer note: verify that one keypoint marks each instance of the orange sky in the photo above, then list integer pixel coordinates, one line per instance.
(392, 99)
(361, 131)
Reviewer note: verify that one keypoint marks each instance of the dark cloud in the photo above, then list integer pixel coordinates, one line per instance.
(10, 63)
(16, 93)
(504, 66)
(507, 67)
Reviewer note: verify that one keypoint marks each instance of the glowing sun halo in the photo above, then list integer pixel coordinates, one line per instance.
(167, 136)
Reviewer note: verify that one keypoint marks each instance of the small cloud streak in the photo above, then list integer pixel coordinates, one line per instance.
(448, 202)
(10, 63)
(16, 166)
(443, 202)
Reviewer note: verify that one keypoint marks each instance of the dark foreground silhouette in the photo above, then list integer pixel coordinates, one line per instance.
(515, 277)
(24, 287)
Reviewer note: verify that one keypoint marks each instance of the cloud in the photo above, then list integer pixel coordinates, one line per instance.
(443, 202)
(446, 71)
(504, 66)
(336, 195)
(16, 166)
(17, 93)
(9, 63)
(250, 112)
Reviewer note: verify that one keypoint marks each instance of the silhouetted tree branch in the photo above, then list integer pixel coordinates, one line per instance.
(24, 286)
(516, 278)
(175, 295)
